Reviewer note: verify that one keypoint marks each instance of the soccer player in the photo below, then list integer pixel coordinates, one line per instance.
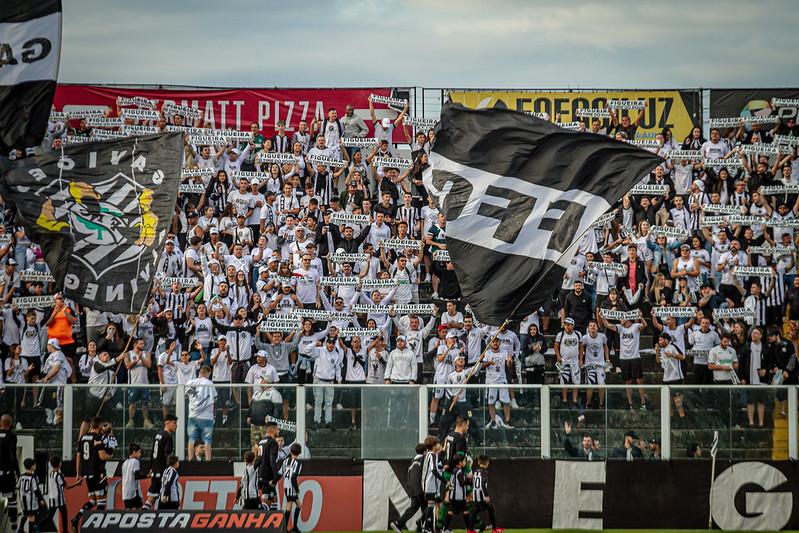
(431, 481)
(596, 356)
(268, 473)
(30, 495)
(162, 449)
(169, 497)
(481, 500)
(90, 464)
(457, 491)
(247, 492)
(9, 467)
(131, 474)
(291, 488)
(569, 352)
(56, 484)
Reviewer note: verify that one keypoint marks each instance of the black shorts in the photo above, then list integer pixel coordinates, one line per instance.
(155, 486)
(8, 485)
(133, 503)
(97, 484)
(251, 503)
(293, 498)
(238, 371)
(631, 369)
(288, 393)
(458, 507)
(169, 505)
(267, 491)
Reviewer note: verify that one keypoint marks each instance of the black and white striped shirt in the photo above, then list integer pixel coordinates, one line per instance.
(777, 295)
(409, 215)
(55, 489)
(175, 302)
(291, 472)
(759, 304)
(480, 484)
(169, 485)
(457, 486)
(29, 492)
(248, 489)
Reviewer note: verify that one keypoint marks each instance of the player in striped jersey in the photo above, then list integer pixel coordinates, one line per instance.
(30, 496)
(247, 492)
(457, 490)
(481, 501)
(56, 484)
(169, 497)
(291, 487)
(431, 481)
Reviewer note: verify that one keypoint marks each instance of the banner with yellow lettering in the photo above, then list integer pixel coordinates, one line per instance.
(678, 110)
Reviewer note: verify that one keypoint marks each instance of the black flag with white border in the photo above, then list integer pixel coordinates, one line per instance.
(30, 48)
(100, 212)
(518, 193)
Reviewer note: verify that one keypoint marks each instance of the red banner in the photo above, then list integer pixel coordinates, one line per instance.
(235, 107)
(329, 503)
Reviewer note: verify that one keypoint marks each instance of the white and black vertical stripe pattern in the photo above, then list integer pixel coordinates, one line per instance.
(29, 492)
(32, 35)
(760, 311)
(55, 489)
(175, 302)
(291, 471)
(516, 205)
(777, 295)
(409, 215)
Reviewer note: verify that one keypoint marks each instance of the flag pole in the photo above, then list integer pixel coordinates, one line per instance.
(476, 365)
(127, 345)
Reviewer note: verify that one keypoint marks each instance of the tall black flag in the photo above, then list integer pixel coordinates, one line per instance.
(100, 212)
(30, 47)
(518, 192)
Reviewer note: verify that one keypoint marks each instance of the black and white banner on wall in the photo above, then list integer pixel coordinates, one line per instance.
(516, 213)
(358, 142)
(626, 104)
(392, 162)
(326, 161)
(100, 213)
(139, 101)
(30, 48)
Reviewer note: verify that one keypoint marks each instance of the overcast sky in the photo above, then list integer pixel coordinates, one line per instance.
(432, 43)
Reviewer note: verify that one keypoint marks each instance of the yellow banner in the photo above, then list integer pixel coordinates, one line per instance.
(665, 108)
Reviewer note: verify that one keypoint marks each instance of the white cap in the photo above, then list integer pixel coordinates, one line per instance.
(452, 334)
(54, 342)
(386, 122)
(261, 353)
(339, 250)
(255, 182)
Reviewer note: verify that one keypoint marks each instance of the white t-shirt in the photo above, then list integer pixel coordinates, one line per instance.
(630, 342)
(496, 373)
(201, 395)
(724, 357)
(221, 373)
(594, 351)
(186, 371)
(569, 346)
(167, 370)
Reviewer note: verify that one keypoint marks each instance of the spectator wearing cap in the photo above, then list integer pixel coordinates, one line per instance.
(221, 362)
(654, 449)
(686, 266)
(59, 327)
(9, 280)
(281, 353)
(56, 371)
(629, 449)
(264, 399)
(328, 360)
(233, 158)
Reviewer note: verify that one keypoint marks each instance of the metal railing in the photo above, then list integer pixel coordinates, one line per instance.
(385, 421)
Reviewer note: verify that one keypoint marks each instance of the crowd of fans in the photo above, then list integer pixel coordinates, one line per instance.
(264, 236)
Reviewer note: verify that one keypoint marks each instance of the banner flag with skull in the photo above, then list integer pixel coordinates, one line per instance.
(100, 213)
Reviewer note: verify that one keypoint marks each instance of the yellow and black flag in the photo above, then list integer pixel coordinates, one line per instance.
(100, 213)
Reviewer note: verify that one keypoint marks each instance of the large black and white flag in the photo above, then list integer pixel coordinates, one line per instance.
(30, 47)
(518, 193)
(100, 212)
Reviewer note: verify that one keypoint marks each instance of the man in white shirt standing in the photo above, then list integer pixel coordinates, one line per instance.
(202, 395)
(723, 361)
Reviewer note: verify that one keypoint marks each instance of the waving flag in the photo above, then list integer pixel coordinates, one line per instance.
(30, 46)
(518, 193)
(100, 212)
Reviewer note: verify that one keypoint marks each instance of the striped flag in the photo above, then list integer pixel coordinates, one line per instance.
(714, 448)
(30, 47)
(518, 193)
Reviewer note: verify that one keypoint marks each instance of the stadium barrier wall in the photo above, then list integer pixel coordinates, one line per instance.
(344, 495)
